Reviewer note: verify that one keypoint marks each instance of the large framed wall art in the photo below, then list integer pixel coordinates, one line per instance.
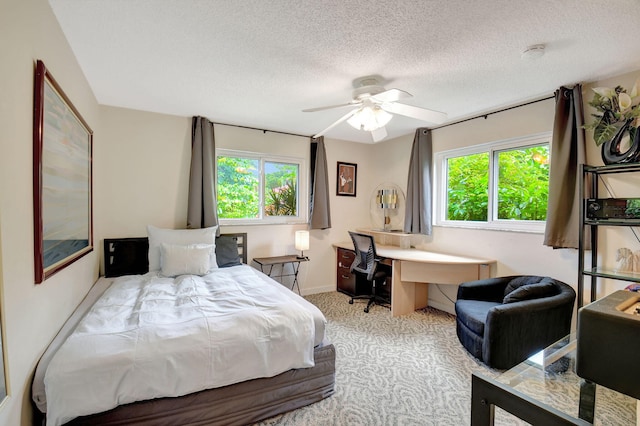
(62, 179)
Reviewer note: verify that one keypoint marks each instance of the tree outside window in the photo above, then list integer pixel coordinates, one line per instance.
(506, 182)
(245, 183)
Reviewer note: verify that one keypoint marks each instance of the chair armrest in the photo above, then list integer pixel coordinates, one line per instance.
(509, 332)
(489, 290)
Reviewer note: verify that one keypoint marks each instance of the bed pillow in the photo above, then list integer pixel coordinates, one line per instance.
(227, 252)
(193, 259)
(157, 236)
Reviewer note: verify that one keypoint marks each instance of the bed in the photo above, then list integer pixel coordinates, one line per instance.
(163, 381)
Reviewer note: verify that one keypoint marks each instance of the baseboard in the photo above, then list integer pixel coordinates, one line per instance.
(446, 307)
(315, 290)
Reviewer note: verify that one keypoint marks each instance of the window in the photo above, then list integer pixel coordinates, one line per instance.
(499, 185)
(260, 188)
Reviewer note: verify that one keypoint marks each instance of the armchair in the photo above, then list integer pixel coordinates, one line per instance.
(502, 321)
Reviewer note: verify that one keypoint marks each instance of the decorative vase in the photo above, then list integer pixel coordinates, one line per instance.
(611, 150)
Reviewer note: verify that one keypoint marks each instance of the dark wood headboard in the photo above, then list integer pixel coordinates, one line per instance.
(129, 256)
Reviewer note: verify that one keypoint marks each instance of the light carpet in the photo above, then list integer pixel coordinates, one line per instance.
(408, 370)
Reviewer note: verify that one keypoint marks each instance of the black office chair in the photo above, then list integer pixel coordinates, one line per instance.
(366, 265)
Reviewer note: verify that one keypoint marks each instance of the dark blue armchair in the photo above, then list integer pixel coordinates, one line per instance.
(504, 320)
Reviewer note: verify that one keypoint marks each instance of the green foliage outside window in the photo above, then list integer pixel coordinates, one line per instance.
(280, 194)
(523, 185)
(238, 190)
(468, 187)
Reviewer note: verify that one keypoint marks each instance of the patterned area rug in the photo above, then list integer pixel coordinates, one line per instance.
(408, 370)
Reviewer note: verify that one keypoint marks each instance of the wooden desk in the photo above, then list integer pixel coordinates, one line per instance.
(412, 266)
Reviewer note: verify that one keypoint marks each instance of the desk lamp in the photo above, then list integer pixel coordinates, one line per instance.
(387, 199)
(302, 243)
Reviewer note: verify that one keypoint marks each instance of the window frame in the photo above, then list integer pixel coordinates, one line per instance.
(493, 148)
(302, 190)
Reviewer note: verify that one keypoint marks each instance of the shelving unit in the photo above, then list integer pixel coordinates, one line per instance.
(595, 272)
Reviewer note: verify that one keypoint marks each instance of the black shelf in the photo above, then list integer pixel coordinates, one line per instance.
(612, 168)
(612, 222)
(591, 192)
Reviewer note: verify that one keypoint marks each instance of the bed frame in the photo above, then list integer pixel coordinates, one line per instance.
(124, 256)
(238, 404)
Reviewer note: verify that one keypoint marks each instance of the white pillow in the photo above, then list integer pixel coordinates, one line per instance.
(194, 259)
(157, 236)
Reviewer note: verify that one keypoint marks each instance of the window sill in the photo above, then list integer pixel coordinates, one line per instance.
(500, 227)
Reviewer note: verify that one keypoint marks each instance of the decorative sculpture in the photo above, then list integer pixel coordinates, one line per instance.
(624, 260)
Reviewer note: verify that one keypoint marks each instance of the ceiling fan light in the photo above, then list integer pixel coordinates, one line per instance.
(369, 118)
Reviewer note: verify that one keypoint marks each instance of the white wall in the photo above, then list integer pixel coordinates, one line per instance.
(33, 313)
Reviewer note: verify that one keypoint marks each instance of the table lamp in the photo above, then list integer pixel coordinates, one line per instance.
(302, 243)
(387, 199)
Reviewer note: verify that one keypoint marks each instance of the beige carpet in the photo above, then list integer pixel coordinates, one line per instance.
(409, 370)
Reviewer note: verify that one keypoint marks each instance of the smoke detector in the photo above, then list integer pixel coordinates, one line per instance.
(533, 52)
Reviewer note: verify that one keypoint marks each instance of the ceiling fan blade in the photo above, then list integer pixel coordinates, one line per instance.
(330, 107)
(392, 95)
(379, 134)
(422, 114)
(340, 120)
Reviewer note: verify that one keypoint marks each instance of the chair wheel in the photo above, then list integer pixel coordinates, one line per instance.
(351, 302)
(366, 310)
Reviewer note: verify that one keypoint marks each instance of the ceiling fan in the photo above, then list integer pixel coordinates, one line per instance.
(374, 106)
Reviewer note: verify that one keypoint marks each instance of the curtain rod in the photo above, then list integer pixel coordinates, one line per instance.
(261, 130)
(493, 112)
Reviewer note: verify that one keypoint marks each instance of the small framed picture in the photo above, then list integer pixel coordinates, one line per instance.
(346, 179)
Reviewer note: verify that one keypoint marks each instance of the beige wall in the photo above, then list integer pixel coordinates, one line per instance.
(33, 313)
(141, 173)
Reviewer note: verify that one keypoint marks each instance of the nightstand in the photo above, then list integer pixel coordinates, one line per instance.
(270, 262)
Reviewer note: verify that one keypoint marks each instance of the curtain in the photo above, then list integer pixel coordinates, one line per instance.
(202, 205)
(418, 211)
(567, 153)
(319, 211)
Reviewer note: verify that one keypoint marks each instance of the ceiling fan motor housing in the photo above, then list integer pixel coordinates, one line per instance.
(365, 87)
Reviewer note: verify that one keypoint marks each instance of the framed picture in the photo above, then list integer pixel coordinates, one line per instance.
(62, 179)
(346, 179)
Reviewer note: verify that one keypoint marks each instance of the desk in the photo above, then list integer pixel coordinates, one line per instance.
(545, 389)
(282, 261)
(411, 267)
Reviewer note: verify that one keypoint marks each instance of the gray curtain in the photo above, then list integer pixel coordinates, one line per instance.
(319, 211)
(418, 211)
(202, 207)
(567, 153)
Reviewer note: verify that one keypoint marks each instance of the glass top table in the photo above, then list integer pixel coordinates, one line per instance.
(545, 390)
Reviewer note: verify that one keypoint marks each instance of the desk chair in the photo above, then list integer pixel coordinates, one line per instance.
(366, 264)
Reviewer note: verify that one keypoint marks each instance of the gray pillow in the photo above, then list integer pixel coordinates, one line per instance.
(227, 252)
(518, 282)
(531, 291)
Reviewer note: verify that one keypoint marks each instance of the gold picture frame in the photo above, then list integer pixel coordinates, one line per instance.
(62, 179)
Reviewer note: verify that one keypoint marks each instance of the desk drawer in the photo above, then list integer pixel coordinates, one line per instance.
(346, 281)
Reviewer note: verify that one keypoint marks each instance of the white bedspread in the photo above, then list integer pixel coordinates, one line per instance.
(150, 337)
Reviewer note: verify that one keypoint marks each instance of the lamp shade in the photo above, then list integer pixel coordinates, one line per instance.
(302, 240)
(369, 118)
(387, 198)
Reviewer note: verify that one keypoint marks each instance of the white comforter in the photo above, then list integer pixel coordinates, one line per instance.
(150, 337)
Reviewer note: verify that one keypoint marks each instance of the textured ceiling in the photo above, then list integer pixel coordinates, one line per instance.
(258, 63)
